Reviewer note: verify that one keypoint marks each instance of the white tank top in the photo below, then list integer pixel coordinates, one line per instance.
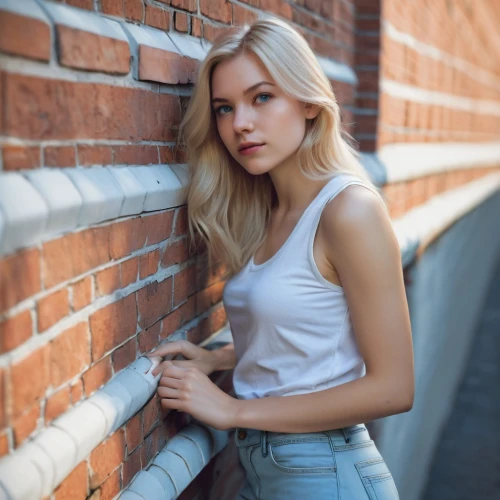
(291, 327)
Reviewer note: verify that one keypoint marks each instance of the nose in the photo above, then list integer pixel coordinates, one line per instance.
(243, 120)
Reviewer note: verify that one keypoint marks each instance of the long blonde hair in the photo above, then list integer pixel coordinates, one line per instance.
(227, 206)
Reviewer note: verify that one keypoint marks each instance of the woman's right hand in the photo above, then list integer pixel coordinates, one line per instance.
(196, 356)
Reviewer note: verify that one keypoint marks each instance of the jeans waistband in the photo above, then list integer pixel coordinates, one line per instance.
(345, 435)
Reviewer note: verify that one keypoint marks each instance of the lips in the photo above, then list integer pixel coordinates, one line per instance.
(248, 146)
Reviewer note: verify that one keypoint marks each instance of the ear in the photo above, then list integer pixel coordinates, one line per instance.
(311, 110)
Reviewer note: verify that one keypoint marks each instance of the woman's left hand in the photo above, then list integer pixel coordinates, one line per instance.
(191, 391)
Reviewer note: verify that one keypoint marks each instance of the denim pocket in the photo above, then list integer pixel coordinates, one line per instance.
(377, 479)
(301, 456)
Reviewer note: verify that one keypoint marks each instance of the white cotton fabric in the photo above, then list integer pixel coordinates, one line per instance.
(291, 327)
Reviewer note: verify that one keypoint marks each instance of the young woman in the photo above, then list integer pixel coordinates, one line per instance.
(316, 300)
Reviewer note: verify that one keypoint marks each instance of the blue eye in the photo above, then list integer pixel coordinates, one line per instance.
(264, 95)
(219, 110)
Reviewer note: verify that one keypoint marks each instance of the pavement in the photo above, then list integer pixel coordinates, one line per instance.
(466, 464)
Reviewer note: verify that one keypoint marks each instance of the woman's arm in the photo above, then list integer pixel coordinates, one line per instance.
(224, 358)
(364, 250)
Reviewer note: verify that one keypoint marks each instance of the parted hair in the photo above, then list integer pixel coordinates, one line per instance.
(228, 207)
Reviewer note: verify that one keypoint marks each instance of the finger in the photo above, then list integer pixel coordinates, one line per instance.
(172, 347)
(177, 372)
(161, 367)
(168, 392)
(170, 404)
(173, 383)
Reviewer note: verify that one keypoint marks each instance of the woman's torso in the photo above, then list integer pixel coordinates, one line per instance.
(288, 314)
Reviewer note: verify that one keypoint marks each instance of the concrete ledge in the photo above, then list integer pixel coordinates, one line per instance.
(35, 469)
(419, 227)
(41, 204)
(408, 161)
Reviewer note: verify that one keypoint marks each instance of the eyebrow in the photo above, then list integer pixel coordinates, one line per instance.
(249, 89)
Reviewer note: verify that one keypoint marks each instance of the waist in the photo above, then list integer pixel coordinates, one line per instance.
(345, 435)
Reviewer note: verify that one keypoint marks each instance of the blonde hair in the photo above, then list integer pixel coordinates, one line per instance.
(227, 206)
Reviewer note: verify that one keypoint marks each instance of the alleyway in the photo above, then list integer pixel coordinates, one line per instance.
(467, 461)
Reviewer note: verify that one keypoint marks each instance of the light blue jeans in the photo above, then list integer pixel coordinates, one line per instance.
(339, 464)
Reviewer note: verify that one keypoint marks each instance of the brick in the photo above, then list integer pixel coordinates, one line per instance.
(279, 7)
(24, 36)
(150, 415)
(106, 458)
(218, 10)
(196, 25)
(131, 466)
(69, 354)
(97, 375)
(170, 324)
(133, 432)
(185, 284)
(166, 67)
(129, 269)
(111, 486)
(211, 32)
(82, 293)
(76, 391)
(94, 155)
(148, 264)
(108, 280)
(209, 297)
(20, 157)
(57, 404)
(189, 5)
(154, 301)
(59, 156)
(126, 237)
(25, 425)
(15, 331)
(181, 22)
(112, 325)
(29, 378)
(243, 16)
(217, 319)
(175, 253)
(113, 7)
(52, 309)
(200, 332)
(20, 277)
(39, 108)
(135, 155)
(74, 486)
(75, 254)
(81, 4)
(158, 227)
(149, 338)
(166, 154)
(3, 402)
(4, 444)
(133, 9)
(101, 53)
(124, 355)
(187, 311)
(157, 17)
(181, 222)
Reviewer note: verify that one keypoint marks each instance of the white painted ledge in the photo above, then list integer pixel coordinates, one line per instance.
(27, 8)
(177, 464)
(410, 160)
(35, 469)
(420, 226)
(42, 204)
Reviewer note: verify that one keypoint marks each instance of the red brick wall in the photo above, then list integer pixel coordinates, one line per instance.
(78, 308)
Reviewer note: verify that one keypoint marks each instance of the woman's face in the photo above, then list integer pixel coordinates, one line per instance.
(250, 107)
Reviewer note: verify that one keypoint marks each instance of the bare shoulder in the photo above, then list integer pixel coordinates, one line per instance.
(357, 221)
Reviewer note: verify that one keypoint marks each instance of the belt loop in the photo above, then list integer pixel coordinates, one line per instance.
(346, 434)
(263, 443)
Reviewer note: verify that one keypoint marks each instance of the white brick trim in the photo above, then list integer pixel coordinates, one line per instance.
(404, 161)
(36, 468)
(443, 99)
(424, 223)
(41, 204)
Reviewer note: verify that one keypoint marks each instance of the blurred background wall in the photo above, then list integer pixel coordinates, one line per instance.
(95, 266)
